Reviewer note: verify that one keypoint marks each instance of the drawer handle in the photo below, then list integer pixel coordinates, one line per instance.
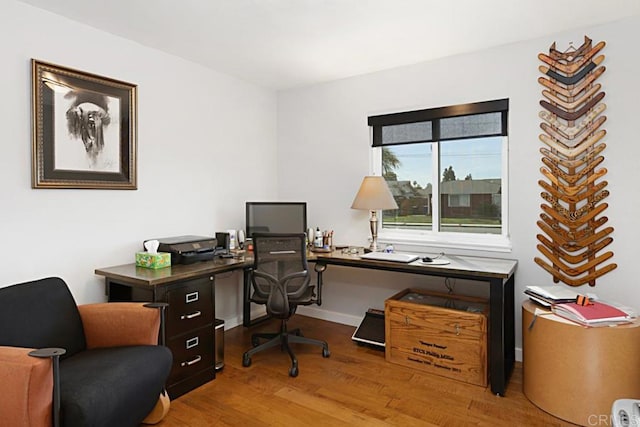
(457, 329)
(191, 362)
(192, 297)
(193, 342)
(191, 315)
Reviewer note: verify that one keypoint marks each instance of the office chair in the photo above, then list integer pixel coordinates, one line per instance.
(281, 280)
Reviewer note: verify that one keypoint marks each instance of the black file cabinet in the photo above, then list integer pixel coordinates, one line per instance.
(189, 326)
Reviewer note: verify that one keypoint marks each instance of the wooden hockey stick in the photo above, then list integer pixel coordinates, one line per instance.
(576, 89)
(572, 115)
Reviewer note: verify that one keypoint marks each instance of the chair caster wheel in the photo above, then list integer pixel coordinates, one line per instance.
(326, 352)
(246, 361)
(255, 341)
(293, 372)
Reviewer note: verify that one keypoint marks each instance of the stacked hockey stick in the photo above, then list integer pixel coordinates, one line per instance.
(573, 232)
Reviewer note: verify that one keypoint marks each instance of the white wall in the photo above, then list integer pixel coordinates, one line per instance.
(206, 144)
(324, 151)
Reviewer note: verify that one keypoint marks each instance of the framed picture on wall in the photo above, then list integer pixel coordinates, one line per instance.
(84, 129)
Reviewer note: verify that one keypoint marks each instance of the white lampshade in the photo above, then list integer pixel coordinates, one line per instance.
(374, 194)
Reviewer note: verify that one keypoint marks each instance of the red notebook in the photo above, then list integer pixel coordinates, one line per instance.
(589, 314)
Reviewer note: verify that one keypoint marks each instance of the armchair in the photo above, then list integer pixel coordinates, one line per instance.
(111, 372)
(281, 281)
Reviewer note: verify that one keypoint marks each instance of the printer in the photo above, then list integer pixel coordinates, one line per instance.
(188, 249)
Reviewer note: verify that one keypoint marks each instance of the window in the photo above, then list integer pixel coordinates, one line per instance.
(446, 168)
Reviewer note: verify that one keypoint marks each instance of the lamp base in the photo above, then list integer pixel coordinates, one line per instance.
(373, 225)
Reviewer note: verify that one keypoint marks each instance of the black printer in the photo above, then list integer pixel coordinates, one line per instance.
(188, 249)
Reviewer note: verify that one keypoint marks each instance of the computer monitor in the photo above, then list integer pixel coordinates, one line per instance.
(276, 217)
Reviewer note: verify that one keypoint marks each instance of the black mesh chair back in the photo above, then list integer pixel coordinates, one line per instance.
(280, 277)
(281, 281)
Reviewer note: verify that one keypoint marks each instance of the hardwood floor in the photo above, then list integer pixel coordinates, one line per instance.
(353, 387)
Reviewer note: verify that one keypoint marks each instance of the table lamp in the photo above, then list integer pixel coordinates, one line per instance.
(374, 195)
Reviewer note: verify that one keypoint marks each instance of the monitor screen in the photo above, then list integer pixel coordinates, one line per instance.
(276, 217)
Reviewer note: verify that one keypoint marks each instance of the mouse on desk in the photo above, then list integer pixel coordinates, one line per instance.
(427, 259)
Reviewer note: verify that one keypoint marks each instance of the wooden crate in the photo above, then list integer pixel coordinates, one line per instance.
(444, 334)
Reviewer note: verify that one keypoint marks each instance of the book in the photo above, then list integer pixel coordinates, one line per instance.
(593, 314)
(549, 295)
(555, 293)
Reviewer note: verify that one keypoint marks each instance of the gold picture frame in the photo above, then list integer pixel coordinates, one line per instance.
(84, 130)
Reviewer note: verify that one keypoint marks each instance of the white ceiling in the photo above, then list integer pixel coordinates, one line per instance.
(281, 44)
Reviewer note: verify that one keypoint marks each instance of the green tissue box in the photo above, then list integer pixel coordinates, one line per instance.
(159, 260)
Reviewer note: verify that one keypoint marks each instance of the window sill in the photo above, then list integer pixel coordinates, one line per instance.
(450, 241)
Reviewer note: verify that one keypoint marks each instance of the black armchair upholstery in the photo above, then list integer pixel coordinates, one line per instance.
(110, 375)
(281, 281)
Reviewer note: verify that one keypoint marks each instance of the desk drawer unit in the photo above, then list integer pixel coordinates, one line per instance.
(443, 334)
(192, 353)
(190, 306)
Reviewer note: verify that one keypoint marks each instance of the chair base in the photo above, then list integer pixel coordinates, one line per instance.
(282, 338)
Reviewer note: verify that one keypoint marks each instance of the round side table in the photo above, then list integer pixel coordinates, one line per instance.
(576, 373)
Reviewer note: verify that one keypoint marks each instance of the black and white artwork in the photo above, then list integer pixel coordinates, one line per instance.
(84, 130)
(87, 131)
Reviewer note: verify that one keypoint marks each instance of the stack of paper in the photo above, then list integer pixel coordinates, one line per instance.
(549, 295)
(595, 313)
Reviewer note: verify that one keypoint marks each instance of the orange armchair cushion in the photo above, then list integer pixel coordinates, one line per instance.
(119, 324)
(30, 379)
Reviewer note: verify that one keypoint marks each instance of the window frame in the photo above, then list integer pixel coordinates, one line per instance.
(442, 239)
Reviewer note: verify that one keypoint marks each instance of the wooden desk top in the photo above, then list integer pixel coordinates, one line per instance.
(476, 267)
(459, 265)
(134, 275)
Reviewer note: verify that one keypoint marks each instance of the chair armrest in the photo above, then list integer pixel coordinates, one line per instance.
(119, 323)
(26, 395)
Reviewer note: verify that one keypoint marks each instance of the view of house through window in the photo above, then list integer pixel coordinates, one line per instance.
(444, 168)
(469, 182)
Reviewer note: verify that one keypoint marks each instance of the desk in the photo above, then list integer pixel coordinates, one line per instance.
(498, 274)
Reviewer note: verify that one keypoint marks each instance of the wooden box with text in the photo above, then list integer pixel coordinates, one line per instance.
(444, 334)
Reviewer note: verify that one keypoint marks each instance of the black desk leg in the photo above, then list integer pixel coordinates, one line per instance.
(246, 302)
(501, 333)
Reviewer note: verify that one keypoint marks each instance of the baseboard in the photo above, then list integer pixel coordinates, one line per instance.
(332, 316)
(237, 320)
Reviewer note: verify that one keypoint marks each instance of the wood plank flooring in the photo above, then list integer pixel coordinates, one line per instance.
(353, 387)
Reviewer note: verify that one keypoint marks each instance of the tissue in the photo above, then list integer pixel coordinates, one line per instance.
(152, 258)
(152, 246)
